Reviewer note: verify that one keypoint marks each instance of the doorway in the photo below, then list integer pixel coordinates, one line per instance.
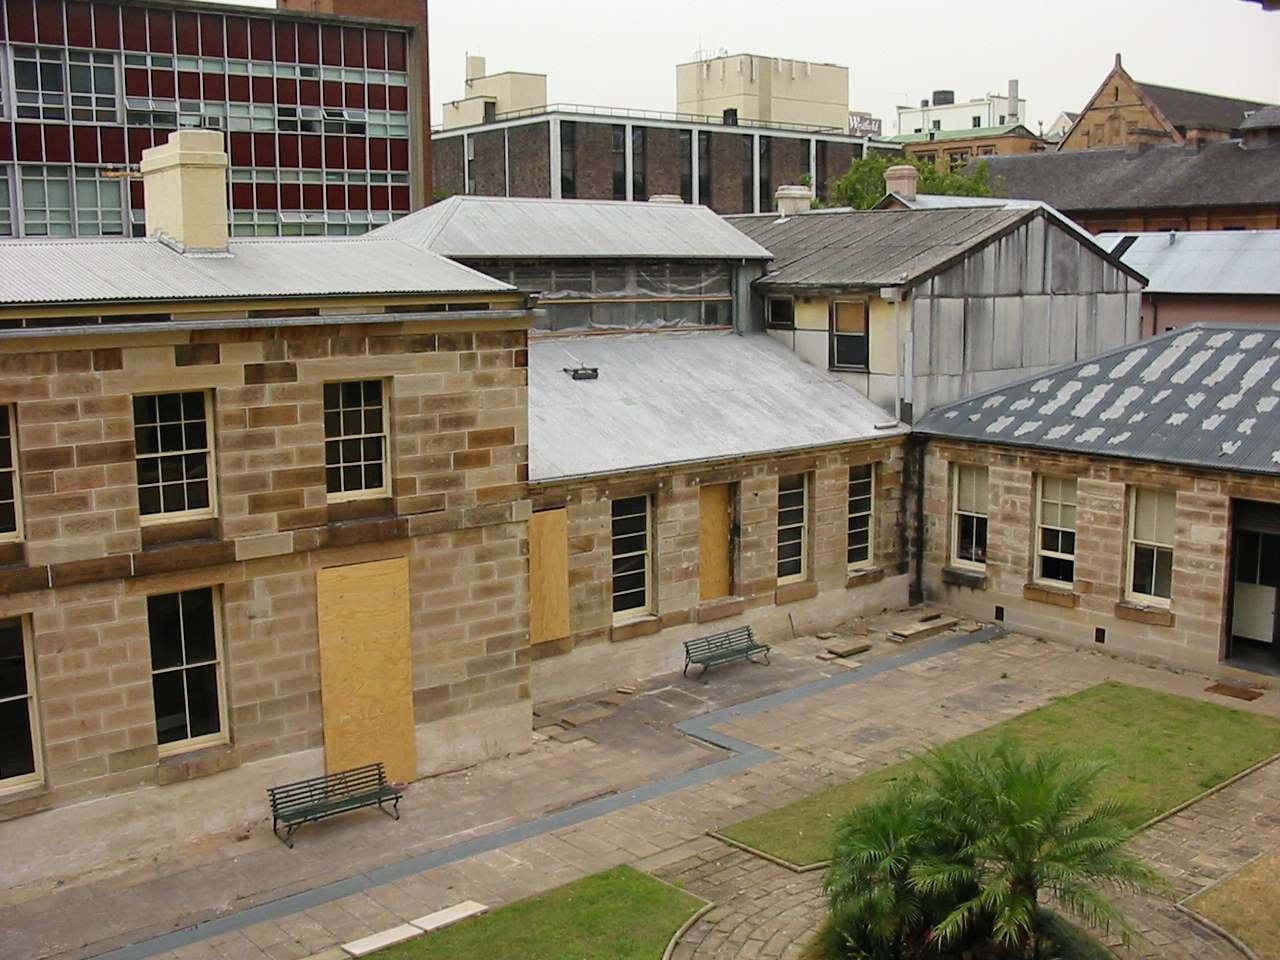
(1255, 587)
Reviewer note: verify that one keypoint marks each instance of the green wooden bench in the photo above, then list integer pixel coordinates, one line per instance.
(307, 801)
(736, 644)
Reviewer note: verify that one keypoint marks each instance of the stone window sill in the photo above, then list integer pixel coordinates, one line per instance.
(1058, 596)
(202, 762)
(974, 579)
(720, 609)
(864, 577)
(794, 592)
(1144, 613)
(641, 626)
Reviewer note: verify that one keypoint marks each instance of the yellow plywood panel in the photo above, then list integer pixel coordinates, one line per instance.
(715, 541)
(813, 313)
(548, 576)
(366, 667)
(884, 337)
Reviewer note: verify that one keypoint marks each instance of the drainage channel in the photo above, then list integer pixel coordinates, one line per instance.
(745, 756)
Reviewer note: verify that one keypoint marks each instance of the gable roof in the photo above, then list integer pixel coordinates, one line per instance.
(1200, 396)
(1233, 262)
(675, 398)
(38, 270)
(1006, 130)
(872, 248)
(1204, 111)
(1266, 118)
(522, 228)
(1222, 173)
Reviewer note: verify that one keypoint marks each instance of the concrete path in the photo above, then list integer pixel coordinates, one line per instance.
(345, 884)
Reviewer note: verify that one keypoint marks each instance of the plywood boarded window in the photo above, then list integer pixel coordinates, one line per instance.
(793, 527)
(632, 561)
(548, 576)
(715, 541)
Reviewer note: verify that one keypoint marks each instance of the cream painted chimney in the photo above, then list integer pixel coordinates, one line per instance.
(902, 180)
(184, 182)
(475, 67)
(793, 198)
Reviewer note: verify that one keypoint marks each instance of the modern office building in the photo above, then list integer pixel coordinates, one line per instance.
(326, 115)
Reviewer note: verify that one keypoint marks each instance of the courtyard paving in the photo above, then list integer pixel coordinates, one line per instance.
(508, 829)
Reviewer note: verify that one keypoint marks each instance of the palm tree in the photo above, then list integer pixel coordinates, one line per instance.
(1025, 826)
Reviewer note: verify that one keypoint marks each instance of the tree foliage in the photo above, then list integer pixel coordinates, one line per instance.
(862, 185)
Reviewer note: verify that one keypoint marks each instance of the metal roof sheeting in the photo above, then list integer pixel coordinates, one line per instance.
(92, 270)
(1239, 262)
(871, 248)
(1205, 396)
(520, 228)
(671, 398)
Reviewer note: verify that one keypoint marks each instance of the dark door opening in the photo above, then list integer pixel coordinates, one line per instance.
(1255, 587)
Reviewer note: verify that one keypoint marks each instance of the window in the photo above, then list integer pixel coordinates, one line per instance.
(639, 181)
(6, 206)
(748, 175)
(19, 722)
(39, 86)
(862, 482)
(977, 122)
(766, 175)
(1151, 515)
(619, 162)
(936, 125)
(704, 167)
(780, 313)
(632, 574)
(969, 516)
(99, 205)
(849, 333)
(568, 159)
(186, 682)
(957, 159)
(92, 78)
(355, 438)
(793, 527)
(46, 201)
(10, 504)
(171, 435)
(686, 165)
(1056, 530)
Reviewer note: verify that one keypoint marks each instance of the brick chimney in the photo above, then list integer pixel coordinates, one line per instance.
(793, 199)
(184, 182)
(902, 180)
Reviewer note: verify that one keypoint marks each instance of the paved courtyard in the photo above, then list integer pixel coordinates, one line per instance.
(642, 784)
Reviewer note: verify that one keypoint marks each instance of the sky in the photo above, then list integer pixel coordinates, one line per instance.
(622, 53)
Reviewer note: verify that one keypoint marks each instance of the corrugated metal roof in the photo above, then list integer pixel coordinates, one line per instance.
(97, 270)
(1206, 396)
(520, 228)
(1210, 261)
(670, 398)
(871, 248)
(968, 133)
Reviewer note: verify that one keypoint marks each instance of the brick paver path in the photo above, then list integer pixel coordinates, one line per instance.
(822, 739)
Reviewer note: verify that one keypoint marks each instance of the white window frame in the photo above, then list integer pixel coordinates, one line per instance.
(200, 513)
(803, 526)
(1041, 526)
(36, 777)
(956, 512)
(16, 534)
(647, 608)
(1133, 543)
(870, 515)
(366, 493)
(175, 747)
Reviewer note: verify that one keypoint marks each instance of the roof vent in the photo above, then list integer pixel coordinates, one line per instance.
(583, 373)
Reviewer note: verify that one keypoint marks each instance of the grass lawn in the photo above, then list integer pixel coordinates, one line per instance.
(621, 914)
(1160, 750)
(1245, 905)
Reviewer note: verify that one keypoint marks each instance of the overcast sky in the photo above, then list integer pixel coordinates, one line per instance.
(622, 53)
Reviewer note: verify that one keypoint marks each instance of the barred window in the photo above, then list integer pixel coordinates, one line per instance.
(355, 448)
(1056, 533)
(10, 504)
(861, 514)
(19, 719)
(171, 435)
(631, 558)
(186, 681)
(969, 515)
(793, 527)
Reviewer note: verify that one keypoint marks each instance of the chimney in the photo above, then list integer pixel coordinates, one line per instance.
(1012, 112)
(184, 182)
(902, 180)
(475, 68)
(793, 199)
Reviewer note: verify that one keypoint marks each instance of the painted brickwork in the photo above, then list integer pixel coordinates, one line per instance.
(457, 510)
(1190, 632)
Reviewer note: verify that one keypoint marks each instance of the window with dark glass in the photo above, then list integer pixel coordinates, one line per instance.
(861, 513)
(92, 80)
(820, 150)
(39, 83)
(1151, 532)
(780, 313)
(969, 515)
(766, 174)
(568, 159)
(748, 175)
(355, 438)
(793, 527)
(172, 441)
(849, 339)
(704, 167)
(639, 179)
(631, 556)
(9, 501)
(186, 683)
(619, 162)
(19, 720)
(686, 166)
(1056, 529)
